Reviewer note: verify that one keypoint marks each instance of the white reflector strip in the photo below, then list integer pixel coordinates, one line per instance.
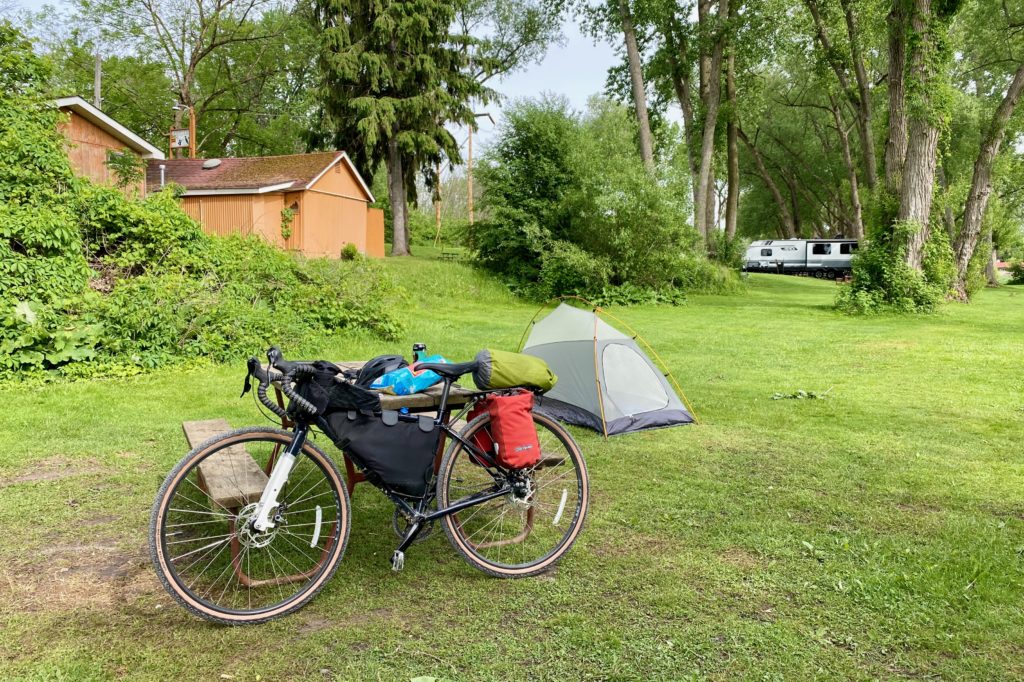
(561, 507)
(316, 528)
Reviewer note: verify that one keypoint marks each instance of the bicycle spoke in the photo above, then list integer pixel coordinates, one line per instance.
(221, 559)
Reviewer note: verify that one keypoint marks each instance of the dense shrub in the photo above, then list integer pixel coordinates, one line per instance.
(571, 210)
(1017, 272)
(566, 268)
(883, 281)
(88, 276)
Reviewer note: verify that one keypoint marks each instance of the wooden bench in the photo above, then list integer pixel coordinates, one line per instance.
(231, 478)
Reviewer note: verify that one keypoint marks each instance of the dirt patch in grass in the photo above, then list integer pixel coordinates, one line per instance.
(740, 558)
(71, 576)
(50, 469)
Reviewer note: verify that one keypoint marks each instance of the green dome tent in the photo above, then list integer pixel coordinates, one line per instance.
(605, 381)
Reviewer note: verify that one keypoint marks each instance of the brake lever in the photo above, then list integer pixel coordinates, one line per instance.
(251, 366)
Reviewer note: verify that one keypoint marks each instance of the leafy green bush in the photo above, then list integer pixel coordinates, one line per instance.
(350, 252)
(568, 269)
(883, 281)
(89, 276)
(571, 209)
(1017, 272)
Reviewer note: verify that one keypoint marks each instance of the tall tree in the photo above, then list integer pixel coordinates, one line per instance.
(924, 77)
(393, 75)
(714, 31)
(998, 47)
(186, 34)
(636, 78)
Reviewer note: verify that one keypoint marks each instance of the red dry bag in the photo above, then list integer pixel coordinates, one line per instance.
(482, 438)
(512, 429)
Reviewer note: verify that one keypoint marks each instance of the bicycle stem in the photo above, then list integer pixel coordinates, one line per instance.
(278, 477)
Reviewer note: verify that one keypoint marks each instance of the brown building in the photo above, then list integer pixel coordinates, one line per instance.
(312, 203)
(92, 136)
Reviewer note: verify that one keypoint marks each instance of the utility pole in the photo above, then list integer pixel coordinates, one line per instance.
(469, 166)
(97, 82)
(469, 175)
(437, 205)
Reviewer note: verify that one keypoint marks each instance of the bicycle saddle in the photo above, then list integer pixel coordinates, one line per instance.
(449, 370)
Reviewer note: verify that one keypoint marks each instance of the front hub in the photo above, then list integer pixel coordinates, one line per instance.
(248, 535)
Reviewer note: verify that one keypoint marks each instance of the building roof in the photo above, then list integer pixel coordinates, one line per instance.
(109, 125)
(249, 175)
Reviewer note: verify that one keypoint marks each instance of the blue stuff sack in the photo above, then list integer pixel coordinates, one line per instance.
(408, 380)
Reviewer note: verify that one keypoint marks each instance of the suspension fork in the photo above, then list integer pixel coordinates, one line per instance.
(278, 477)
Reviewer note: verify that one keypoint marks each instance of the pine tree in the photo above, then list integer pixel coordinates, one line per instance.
(393, 75)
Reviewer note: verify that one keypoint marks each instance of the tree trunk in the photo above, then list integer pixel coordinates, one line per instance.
(857, 221)
(683, 86)
(710, 206)
(981, 183)
(864, 113)
(732, 203)
(785, 217)
(991, 272)
(712, 102)
(636, 77)
(396, 193)
(896, 143)
(923, 137)
(794, 203)
(947, 213)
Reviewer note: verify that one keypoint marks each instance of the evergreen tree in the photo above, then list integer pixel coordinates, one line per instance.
(393, 74)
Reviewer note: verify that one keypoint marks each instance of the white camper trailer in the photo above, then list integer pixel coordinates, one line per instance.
(824, 258)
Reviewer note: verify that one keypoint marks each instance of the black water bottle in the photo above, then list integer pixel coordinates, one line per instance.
(419, 351)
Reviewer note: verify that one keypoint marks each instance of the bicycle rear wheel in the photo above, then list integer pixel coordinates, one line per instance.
(522, 534)
(204, 549)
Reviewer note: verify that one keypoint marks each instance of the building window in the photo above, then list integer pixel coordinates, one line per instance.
(821, 249)
(766, 252)
(847, 248)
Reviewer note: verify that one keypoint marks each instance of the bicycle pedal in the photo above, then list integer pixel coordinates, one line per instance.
(397, 561)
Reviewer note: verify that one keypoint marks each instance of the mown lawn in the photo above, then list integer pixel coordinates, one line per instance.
(878, 533)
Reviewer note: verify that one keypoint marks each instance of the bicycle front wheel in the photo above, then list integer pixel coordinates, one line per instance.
(205, 550)
(520, 534)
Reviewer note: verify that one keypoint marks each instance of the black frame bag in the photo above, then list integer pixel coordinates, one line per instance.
(399, 451)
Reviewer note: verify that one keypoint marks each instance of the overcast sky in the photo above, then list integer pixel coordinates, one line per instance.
(576, 69)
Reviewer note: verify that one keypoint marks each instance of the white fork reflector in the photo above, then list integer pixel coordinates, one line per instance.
(316, 528)
(561, 507)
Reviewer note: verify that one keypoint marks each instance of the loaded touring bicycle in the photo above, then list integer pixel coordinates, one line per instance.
(251, 524)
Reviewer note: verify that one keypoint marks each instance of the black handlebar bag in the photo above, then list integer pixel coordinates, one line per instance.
(399, 451)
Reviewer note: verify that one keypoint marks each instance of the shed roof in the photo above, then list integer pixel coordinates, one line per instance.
(251, 175)
(110, 126)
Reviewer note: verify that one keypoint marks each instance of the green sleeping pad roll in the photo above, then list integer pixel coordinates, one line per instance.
(502, 369)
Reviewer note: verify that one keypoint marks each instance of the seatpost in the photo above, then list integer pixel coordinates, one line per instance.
(444, 400)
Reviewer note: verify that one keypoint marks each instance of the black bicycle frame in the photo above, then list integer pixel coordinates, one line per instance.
(417, 514)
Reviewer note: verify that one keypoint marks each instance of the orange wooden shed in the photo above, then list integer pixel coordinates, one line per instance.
(93, 135)
(311, 203)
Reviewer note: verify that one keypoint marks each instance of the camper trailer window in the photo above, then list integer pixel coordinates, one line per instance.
(766, 252)
(822, 249)
(847, 248)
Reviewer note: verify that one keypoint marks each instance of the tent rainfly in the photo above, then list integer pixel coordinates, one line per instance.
(605, 381)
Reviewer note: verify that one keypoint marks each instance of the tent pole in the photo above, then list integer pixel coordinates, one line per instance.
(597, 380)
(526, 332)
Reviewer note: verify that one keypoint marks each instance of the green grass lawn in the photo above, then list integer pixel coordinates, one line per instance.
(878, 533)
